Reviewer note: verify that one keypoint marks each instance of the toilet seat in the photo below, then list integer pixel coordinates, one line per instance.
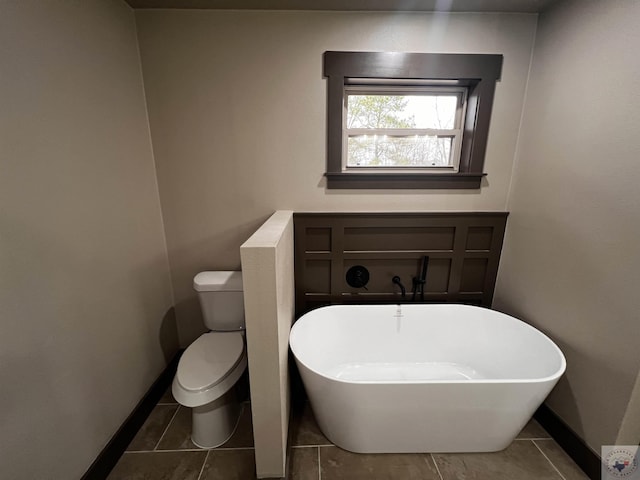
(209, 360)
(209, 368)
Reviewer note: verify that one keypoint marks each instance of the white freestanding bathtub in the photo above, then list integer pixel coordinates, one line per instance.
(422, 378)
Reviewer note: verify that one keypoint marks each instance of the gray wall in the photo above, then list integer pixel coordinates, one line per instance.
(570, 264)
(237, 108)
(84, 280)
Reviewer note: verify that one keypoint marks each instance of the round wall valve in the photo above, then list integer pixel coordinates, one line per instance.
(357, 276)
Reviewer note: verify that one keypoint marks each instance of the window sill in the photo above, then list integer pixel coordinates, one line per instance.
(400, 180)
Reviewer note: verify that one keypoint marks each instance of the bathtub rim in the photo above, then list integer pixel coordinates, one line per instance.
(485, 381)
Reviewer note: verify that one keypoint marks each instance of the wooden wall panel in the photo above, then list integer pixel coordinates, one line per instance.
(463, 248)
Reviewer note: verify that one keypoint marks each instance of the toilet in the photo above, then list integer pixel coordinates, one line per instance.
(212, 365)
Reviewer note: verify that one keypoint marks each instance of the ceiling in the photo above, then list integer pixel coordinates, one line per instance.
(530, 6)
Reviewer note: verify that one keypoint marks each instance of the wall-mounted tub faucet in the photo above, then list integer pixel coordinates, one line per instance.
(396, 281)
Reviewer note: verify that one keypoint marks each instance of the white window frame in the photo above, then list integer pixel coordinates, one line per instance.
(418, 90)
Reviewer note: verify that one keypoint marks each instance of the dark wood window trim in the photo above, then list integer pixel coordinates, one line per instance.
(476, 71)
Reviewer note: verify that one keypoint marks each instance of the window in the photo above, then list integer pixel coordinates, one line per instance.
(408, 120)
(403, 127)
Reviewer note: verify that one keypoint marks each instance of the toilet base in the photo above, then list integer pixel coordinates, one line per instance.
(214, 423)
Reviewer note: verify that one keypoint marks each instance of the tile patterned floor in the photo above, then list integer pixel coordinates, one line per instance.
(162, 450)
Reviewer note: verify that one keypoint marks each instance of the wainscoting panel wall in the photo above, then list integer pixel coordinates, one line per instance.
(463, 250)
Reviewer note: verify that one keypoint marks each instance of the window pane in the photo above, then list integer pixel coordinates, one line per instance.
(386, 151)
(402, 111)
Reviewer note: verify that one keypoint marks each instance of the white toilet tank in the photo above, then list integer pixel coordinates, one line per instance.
(221, 299)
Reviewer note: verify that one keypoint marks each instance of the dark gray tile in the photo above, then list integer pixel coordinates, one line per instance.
(338, 464)
(178, 435)
(533, 430)
(562, 461)
(168, 397)
(159, 466)
(243, 436)
(304, 464)
(230, 465)
(153, 428)
(521, 460)
(305, 430)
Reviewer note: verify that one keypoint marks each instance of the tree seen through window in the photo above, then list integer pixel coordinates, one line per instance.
(400, 130)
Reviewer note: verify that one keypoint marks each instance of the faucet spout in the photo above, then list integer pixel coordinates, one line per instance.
(396, 281)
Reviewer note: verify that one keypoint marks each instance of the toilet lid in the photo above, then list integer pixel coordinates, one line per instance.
(209, 359)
